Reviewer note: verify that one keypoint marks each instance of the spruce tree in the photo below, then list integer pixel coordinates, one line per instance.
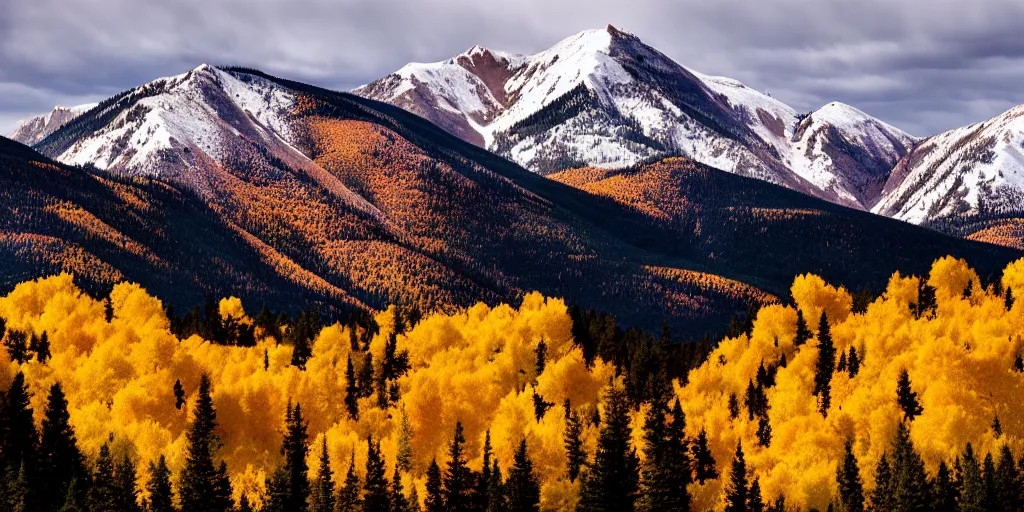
(405, 453)
(1007, 482)
(803, 333)
(483, 481)
(277, 491)
(736, 490)
(703, 461)
(522, 488)
(19, 440)
(734, 406)
(825, 366)
(972, 484)
(907, 397)
(989, 479)
(60, 460)
(661, 485)
(301, 338)
(399, 503)
(17, 490)
(179, 394)
(323, 491)
(943, 490)
(853, 364)
(103, 491)
(161, 497)
(457, 477)
(883, 497)
(851, 488)
(294, 449)
(911, 490)
(542, 355)
(755, 503)
(576, 455)
(202, 483)
(364, 378)
(1008, 300)
(764, 431)
(350, 493)
(496, 498)
(125, 483)
(376, 491)
(434, 488)
(73, 501)
(611, 482)
(351, 390)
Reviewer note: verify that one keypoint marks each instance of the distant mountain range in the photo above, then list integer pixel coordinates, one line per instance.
(603, 98)
(31, 131)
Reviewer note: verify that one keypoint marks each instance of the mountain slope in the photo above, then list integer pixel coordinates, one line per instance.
(603, 98)
(38, 128)
(382, 206)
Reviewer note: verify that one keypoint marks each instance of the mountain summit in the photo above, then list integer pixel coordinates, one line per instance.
(603, 98)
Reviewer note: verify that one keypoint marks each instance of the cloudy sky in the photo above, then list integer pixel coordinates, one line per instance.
(922, 65)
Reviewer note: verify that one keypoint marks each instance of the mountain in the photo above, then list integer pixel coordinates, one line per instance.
(38, 128)
(603, 98)
(342, 201)
(974, 171)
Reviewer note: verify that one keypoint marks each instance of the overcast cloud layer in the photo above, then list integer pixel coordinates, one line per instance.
(922, 65)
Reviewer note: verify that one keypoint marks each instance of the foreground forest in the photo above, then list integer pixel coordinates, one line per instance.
(906, 401)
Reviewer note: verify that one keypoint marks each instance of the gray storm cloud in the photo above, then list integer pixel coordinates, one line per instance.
(924, 66)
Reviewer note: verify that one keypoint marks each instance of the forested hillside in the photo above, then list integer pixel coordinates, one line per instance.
(905, 401)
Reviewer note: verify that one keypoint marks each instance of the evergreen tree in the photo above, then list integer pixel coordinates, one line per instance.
(222, 494)
(323, 491)
(277, 491)
(16, 347)
(911, 490)
(703, 461)
(907, 398)
(480, 493)
(266, 360)
(60, 460)
(405, 453)
(18, 489)
(125, 483)
(825, 366)
(542, 355)
(351, 390)
(349, 494)
(457, 477)
(496, 498)
(522, 488)
(764, 431)
(73, 501)
(575, 453)
(736, 492)
(989, 479)
(803, 333)
(103, 492)
(399, 503)
(161, 497)
(434, 488)
(294, 449)
(364, 378)
(611, 482)
(734, 406)
(301, 337)
(179, 394)
(883, 497)
(376, 491)
(851, 488)
(1007, 482)
(972, 484)
(666, 468)
(42, 348)
(414, 500)
(754, 501)
(243, 504)
(1008, 300)
(19, 440)
(943, 490)
(853, 364)
(202, 483)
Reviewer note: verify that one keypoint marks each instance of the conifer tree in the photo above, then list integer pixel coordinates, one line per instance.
(42, 348)
(522, 488)
(825, 366)
(611, 482)
(73, 501)
(17, 490)
(734, 406)
(972, 484)
(853, 364)
(60, 460)
(364, 378)
(350, 493)
(295, 449)
(664, 475)
(405, 453)
(480, 492)
(457, 477)
(19, 440)
(277, 491)
(496, 498)
(376, 491)
(911, 490)
(542, 355)
(989, 479)
(764, 431)
(243, 504)
(125, 483)
(1007, 482)
(434, 488)
(703, 461)
(179, 394)
(576, 455)
(851, 488)
(399, 503)
(301, 337)
(161, 496)
(103, 491)
(883, 497)
(202, 483)
(943, 490)
(351, 390)
(803, 333)
(323, 491)
(907, 397)
(755, 503)
(736, 490)
(414, 500)
(1008, 300)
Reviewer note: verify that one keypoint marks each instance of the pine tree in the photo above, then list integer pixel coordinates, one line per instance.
(295, 448)
(825, 366)
(222, 493)
(19, 440)
(376, 491)
(803, 333)
(351, 390)
(734, 406)
(972, 484)
(522, 488)
(301, 337)
(542, 354)
(73, 501)
(611, 482)
(16, 348)
(480, 492)
(943, 490)
(364, 378)
(323, 491)
(266, 359)
(989, 479)
(179, 394)
(126, 487)
(853, 365)
(405, 453)
(883, 497)
(161, 497)
(662, 484)
(1008, 300)
(703, 460)
(736, 491)
(1007, 481)
(42, 348)
(851, 488)
(18, 489)
(911, 489)
(576, 455)
(414, 500)
(496, 498)
(349, 495)
(399, 503)
(277, 491)
(457, 477)
(434, 488)
(907, 398)
(103, 492)
(754, 501)
(60, 460)
(202, 483)
(764, 431)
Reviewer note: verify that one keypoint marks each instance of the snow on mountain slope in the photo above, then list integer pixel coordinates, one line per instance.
(603, 98)
(976, 169)
(38, 128)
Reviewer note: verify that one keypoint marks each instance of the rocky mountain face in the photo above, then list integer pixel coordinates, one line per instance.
(39, 127)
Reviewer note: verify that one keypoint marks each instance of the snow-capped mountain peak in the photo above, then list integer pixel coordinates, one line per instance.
(31, 131)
